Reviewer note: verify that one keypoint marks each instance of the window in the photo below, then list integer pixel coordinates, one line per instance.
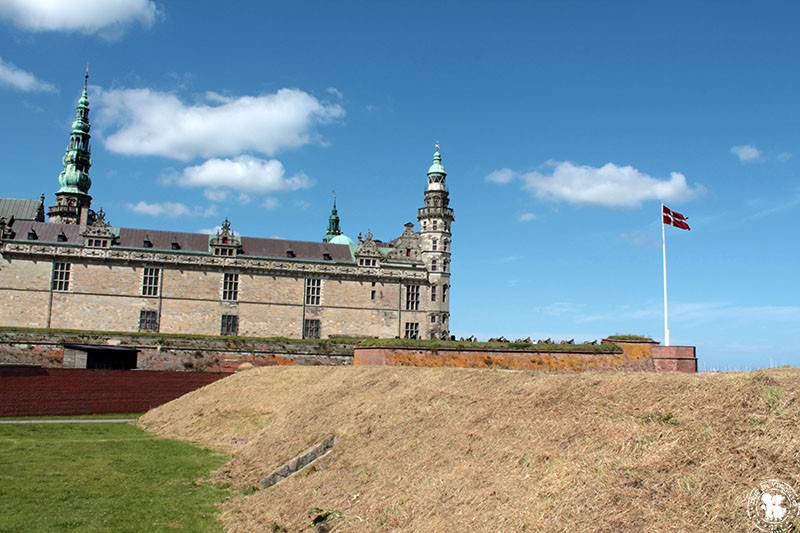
(367, 262)
(61, 276)
(445, 265)
(313, 291)
(433, 293)
(446, 244)
(434, 265)
(311, 328)
(97, 243)
(229, 325)
(444, 293)
(372, 292)
(435, 245)
(150, 277)
(412, 330)
(148, 320)
(412, 298)
(433, 319)
(225, 251)
(436, 224)
(230, 287)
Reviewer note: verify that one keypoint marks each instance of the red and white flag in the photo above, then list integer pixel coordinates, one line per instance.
(673, 218)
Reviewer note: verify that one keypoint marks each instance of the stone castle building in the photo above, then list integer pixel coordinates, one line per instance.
(76, 271)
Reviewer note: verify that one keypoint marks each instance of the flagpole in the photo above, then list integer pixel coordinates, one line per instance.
(664, 254)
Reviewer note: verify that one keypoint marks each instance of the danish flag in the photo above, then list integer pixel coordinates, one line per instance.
(673, 218)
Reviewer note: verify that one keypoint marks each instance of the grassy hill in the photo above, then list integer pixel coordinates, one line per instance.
(431, 449)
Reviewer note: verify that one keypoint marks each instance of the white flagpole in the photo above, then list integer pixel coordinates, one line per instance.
(664, 253)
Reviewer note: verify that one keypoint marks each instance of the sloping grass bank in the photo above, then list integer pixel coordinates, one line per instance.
(430, 449)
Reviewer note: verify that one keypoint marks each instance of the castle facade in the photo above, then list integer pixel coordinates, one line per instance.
(77, 271)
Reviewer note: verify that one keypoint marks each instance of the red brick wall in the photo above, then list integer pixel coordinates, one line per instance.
(675, 358)
(32, 391)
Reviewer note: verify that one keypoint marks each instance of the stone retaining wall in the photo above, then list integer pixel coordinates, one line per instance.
(46, 349)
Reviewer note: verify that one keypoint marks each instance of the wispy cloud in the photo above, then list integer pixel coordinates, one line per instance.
(526, 217)
(148, 122)
(21, 80)
(171, 210)
(108, 18)
(608, 186)
(747, 153)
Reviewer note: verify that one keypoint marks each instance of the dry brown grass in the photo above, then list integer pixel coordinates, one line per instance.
(432, 449)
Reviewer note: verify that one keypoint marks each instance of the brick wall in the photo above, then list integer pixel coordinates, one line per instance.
(641, 356)
(35, 391)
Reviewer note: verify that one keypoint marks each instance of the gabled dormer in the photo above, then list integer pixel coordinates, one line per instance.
(225, 243)
(406, 246)
(99, 233)
(368, 254)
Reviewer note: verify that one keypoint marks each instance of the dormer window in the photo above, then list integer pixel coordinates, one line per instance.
(326, 256)
(290, 254)
(97, 243)
(32, 235)
(225, 243)
(61, 237)
(147, 243)
(176, 245)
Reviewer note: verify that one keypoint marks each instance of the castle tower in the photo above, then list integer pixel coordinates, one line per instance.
(72, 199)
(333, 224)
(435, 219)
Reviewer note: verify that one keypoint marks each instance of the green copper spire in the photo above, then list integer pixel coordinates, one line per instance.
(436, 167)
(333, 223)
(78, 157)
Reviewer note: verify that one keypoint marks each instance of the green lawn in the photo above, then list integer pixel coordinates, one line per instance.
(104, 477)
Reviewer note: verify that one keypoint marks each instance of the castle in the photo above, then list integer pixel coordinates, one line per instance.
(76, 271)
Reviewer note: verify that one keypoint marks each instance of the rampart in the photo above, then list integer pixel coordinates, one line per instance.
(610, 355)
(46, 348)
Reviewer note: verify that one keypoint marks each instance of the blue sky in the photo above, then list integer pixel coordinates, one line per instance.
(563, 126)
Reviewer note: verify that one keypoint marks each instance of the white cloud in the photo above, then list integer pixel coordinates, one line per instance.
(271, 203)
(246, 174)
(784, 156)
(106, 17)
(608, 186)
(16, 78)
(526, 217)
(171, 210)
(747, 153)
(502, 176)
(147, 122)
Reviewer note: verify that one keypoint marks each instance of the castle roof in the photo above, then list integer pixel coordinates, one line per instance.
(178, 242)
(21, 209)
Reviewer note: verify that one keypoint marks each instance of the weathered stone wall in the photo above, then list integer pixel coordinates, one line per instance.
(46, 349)
(105, 294)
